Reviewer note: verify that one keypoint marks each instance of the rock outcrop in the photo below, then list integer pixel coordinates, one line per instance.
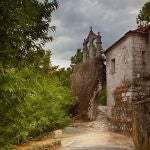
(86, 83)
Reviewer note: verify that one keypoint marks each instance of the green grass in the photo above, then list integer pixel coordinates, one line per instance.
(102, 97)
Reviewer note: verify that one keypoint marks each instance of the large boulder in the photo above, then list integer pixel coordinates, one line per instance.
(86, 83)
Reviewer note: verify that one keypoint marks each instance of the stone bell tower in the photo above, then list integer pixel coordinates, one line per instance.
(92, 51)
(88, 76)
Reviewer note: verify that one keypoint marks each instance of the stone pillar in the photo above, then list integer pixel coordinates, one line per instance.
(91, 50)
(84, 51)
(99, 45)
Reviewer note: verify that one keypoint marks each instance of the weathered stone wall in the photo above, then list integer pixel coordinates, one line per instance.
(122, 54)
(141, 124)
(141, 56)
(122, 116)
(86, 82)
(132, 61)
(41, 145)
(140, 90)
(141, 114)
(53, 145)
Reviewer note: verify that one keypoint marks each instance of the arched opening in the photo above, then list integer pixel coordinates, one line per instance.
(95, 46)
(88, 47)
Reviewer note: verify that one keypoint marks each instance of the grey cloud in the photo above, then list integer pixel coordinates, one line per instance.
(112, 18)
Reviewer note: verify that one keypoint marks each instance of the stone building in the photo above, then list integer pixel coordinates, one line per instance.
(127, 59)
(87, 76)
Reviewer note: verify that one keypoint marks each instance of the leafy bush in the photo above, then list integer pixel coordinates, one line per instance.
(64, 76)
(32, 99)
(102, 96)
(31, 103)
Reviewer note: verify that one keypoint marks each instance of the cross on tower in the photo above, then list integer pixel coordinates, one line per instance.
(91, 28)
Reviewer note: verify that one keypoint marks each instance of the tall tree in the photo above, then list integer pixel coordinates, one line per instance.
(24, 25)
(143, 17)
(32, 99)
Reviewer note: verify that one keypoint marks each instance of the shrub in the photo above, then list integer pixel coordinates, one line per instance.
(31, 103)
(102, 96)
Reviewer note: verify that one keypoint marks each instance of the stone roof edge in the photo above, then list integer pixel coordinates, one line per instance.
(129, 33)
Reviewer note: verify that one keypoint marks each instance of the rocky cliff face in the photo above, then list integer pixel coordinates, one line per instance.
(86, 83)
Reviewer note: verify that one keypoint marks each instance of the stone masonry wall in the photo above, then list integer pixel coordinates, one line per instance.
(121, 117)
(122, 54)
(125, 95)
(132, 61)
(141, 56)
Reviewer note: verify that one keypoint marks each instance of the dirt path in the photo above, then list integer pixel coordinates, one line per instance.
(97, 139)
(94, 136)
(86, 136)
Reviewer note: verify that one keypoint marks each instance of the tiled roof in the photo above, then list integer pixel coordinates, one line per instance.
(142, 29)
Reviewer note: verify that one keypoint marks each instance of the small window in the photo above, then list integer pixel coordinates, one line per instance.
(143, 57)
(113, 66)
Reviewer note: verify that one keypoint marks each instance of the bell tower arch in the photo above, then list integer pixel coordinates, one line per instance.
(92, 48)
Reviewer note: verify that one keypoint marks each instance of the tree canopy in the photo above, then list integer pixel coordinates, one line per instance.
(24, 25)
(77, 58)
(33, 98)
(143, 17)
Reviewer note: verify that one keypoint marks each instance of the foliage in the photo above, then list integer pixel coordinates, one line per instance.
(143, 18)
(102, 96)
(24, 25)
(64, 76)
(32, 103)
(77, 58)
(33, 100)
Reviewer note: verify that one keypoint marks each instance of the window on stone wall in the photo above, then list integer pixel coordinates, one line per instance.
(143, 57)
(113, 65)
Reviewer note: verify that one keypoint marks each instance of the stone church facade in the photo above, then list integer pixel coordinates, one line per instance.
(128, 59)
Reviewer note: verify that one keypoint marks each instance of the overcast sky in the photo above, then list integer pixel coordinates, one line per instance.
(112, 18)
